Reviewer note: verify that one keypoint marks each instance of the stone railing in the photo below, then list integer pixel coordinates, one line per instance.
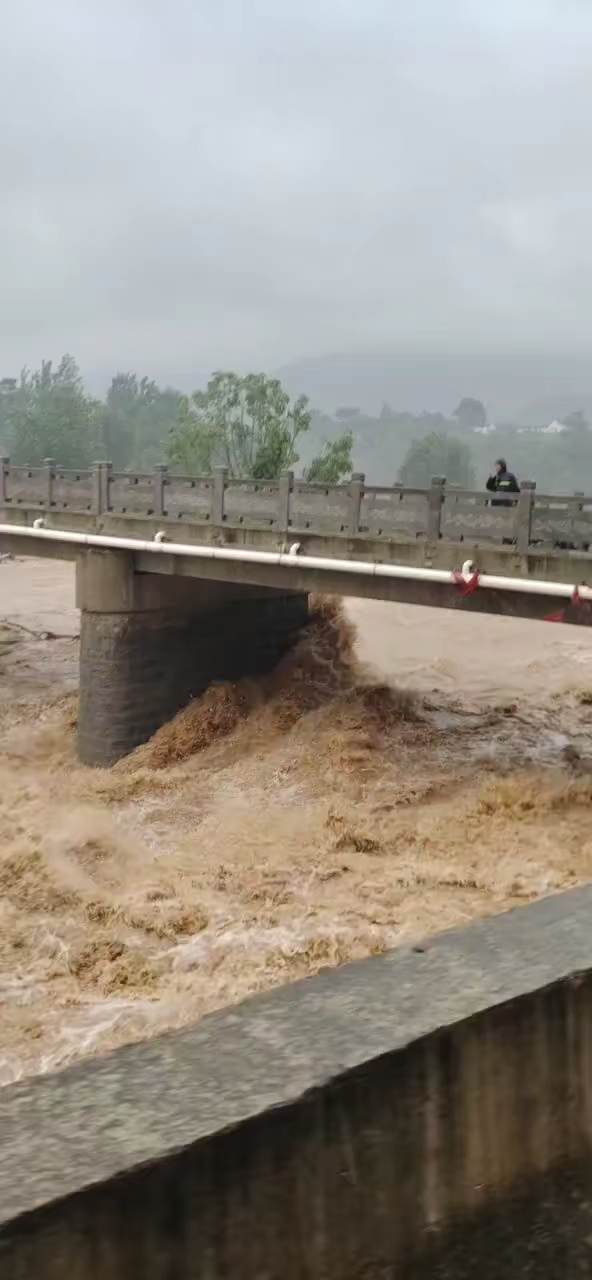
(356, 510)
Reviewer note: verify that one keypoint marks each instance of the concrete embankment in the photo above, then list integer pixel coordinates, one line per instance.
(423, 1113)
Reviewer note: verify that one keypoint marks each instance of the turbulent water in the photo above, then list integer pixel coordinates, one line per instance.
(403, 771)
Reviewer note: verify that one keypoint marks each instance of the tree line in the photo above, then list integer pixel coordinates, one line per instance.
(396, 445)
(251, 425)
(248, 424)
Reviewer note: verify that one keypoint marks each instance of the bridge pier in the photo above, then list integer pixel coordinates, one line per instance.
(149, 642)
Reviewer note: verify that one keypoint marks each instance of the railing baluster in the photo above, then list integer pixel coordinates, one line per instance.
(97, 487)
(160, 475)
(524, 510)
(101, 485)
(218, 491)
(4, 465)
(50, 465)
(284, 496)
(435, 499)
(356, 490)
(106, 472)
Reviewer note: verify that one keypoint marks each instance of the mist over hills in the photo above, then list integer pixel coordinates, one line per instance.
(523, 387)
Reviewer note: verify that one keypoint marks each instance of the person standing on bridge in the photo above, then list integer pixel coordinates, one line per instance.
(502, 481)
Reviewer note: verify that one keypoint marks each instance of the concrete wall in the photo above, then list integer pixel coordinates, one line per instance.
(424, 1114)
(148, 644)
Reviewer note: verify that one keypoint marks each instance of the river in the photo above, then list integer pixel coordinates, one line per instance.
(407, 771)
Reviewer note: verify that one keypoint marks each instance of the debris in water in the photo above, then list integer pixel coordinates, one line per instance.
(276, 826)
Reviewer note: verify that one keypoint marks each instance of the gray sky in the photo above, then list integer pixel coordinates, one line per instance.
(200, 183)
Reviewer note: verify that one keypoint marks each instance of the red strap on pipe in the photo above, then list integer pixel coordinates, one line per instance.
(465, 587)
(560, 617)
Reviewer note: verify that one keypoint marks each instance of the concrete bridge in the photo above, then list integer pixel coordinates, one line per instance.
(185, 580)
(422, 1114)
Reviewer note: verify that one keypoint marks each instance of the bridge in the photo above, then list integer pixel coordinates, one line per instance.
(184, 580)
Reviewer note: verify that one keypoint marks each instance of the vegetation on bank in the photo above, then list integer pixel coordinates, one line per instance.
(391, 445)
(252, 425)
(438, 455)
(248, 424)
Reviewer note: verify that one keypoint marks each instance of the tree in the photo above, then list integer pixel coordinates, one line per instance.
(248, 425)
(470, 414)
(8, 389)
(438, 455)
(334, 463)
(50, 415)
(136, 420)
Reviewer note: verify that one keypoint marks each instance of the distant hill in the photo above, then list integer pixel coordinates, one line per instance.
(516, 387)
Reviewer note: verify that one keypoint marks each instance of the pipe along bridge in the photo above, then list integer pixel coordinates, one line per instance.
(182, 581)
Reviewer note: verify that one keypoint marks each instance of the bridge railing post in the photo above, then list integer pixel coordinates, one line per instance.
(96, 487)
(4, 465)
(524, 510)
(50, 466)
(284, 493)
(159, 481)
(435, 499)
(107, 474)
(218, 491)
(356, 492)
(101, 483)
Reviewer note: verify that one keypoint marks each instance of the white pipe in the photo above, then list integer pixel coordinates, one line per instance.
(369, 568)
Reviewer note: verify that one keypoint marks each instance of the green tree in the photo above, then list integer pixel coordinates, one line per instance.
(438, 455)
(8, 389)
(248, 425)
(470, 414)
(137, 418)
(334, 463)
(51, 416)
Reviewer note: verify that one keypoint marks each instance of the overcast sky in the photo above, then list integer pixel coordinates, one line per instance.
(196, 183)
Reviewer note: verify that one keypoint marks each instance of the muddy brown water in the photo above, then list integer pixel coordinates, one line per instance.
(440, 770)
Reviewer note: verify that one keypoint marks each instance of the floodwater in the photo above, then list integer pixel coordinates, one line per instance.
(407, 770)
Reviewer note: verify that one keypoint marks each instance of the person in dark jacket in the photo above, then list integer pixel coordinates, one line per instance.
(502, 481)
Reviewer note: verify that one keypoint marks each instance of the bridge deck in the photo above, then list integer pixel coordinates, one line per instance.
(538, 537)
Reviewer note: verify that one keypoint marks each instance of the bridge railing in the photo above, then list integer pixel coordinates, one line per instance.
(358, 510)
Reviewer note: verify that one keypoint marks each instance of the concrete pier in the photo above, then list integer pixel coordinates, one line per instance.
(149, 643)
